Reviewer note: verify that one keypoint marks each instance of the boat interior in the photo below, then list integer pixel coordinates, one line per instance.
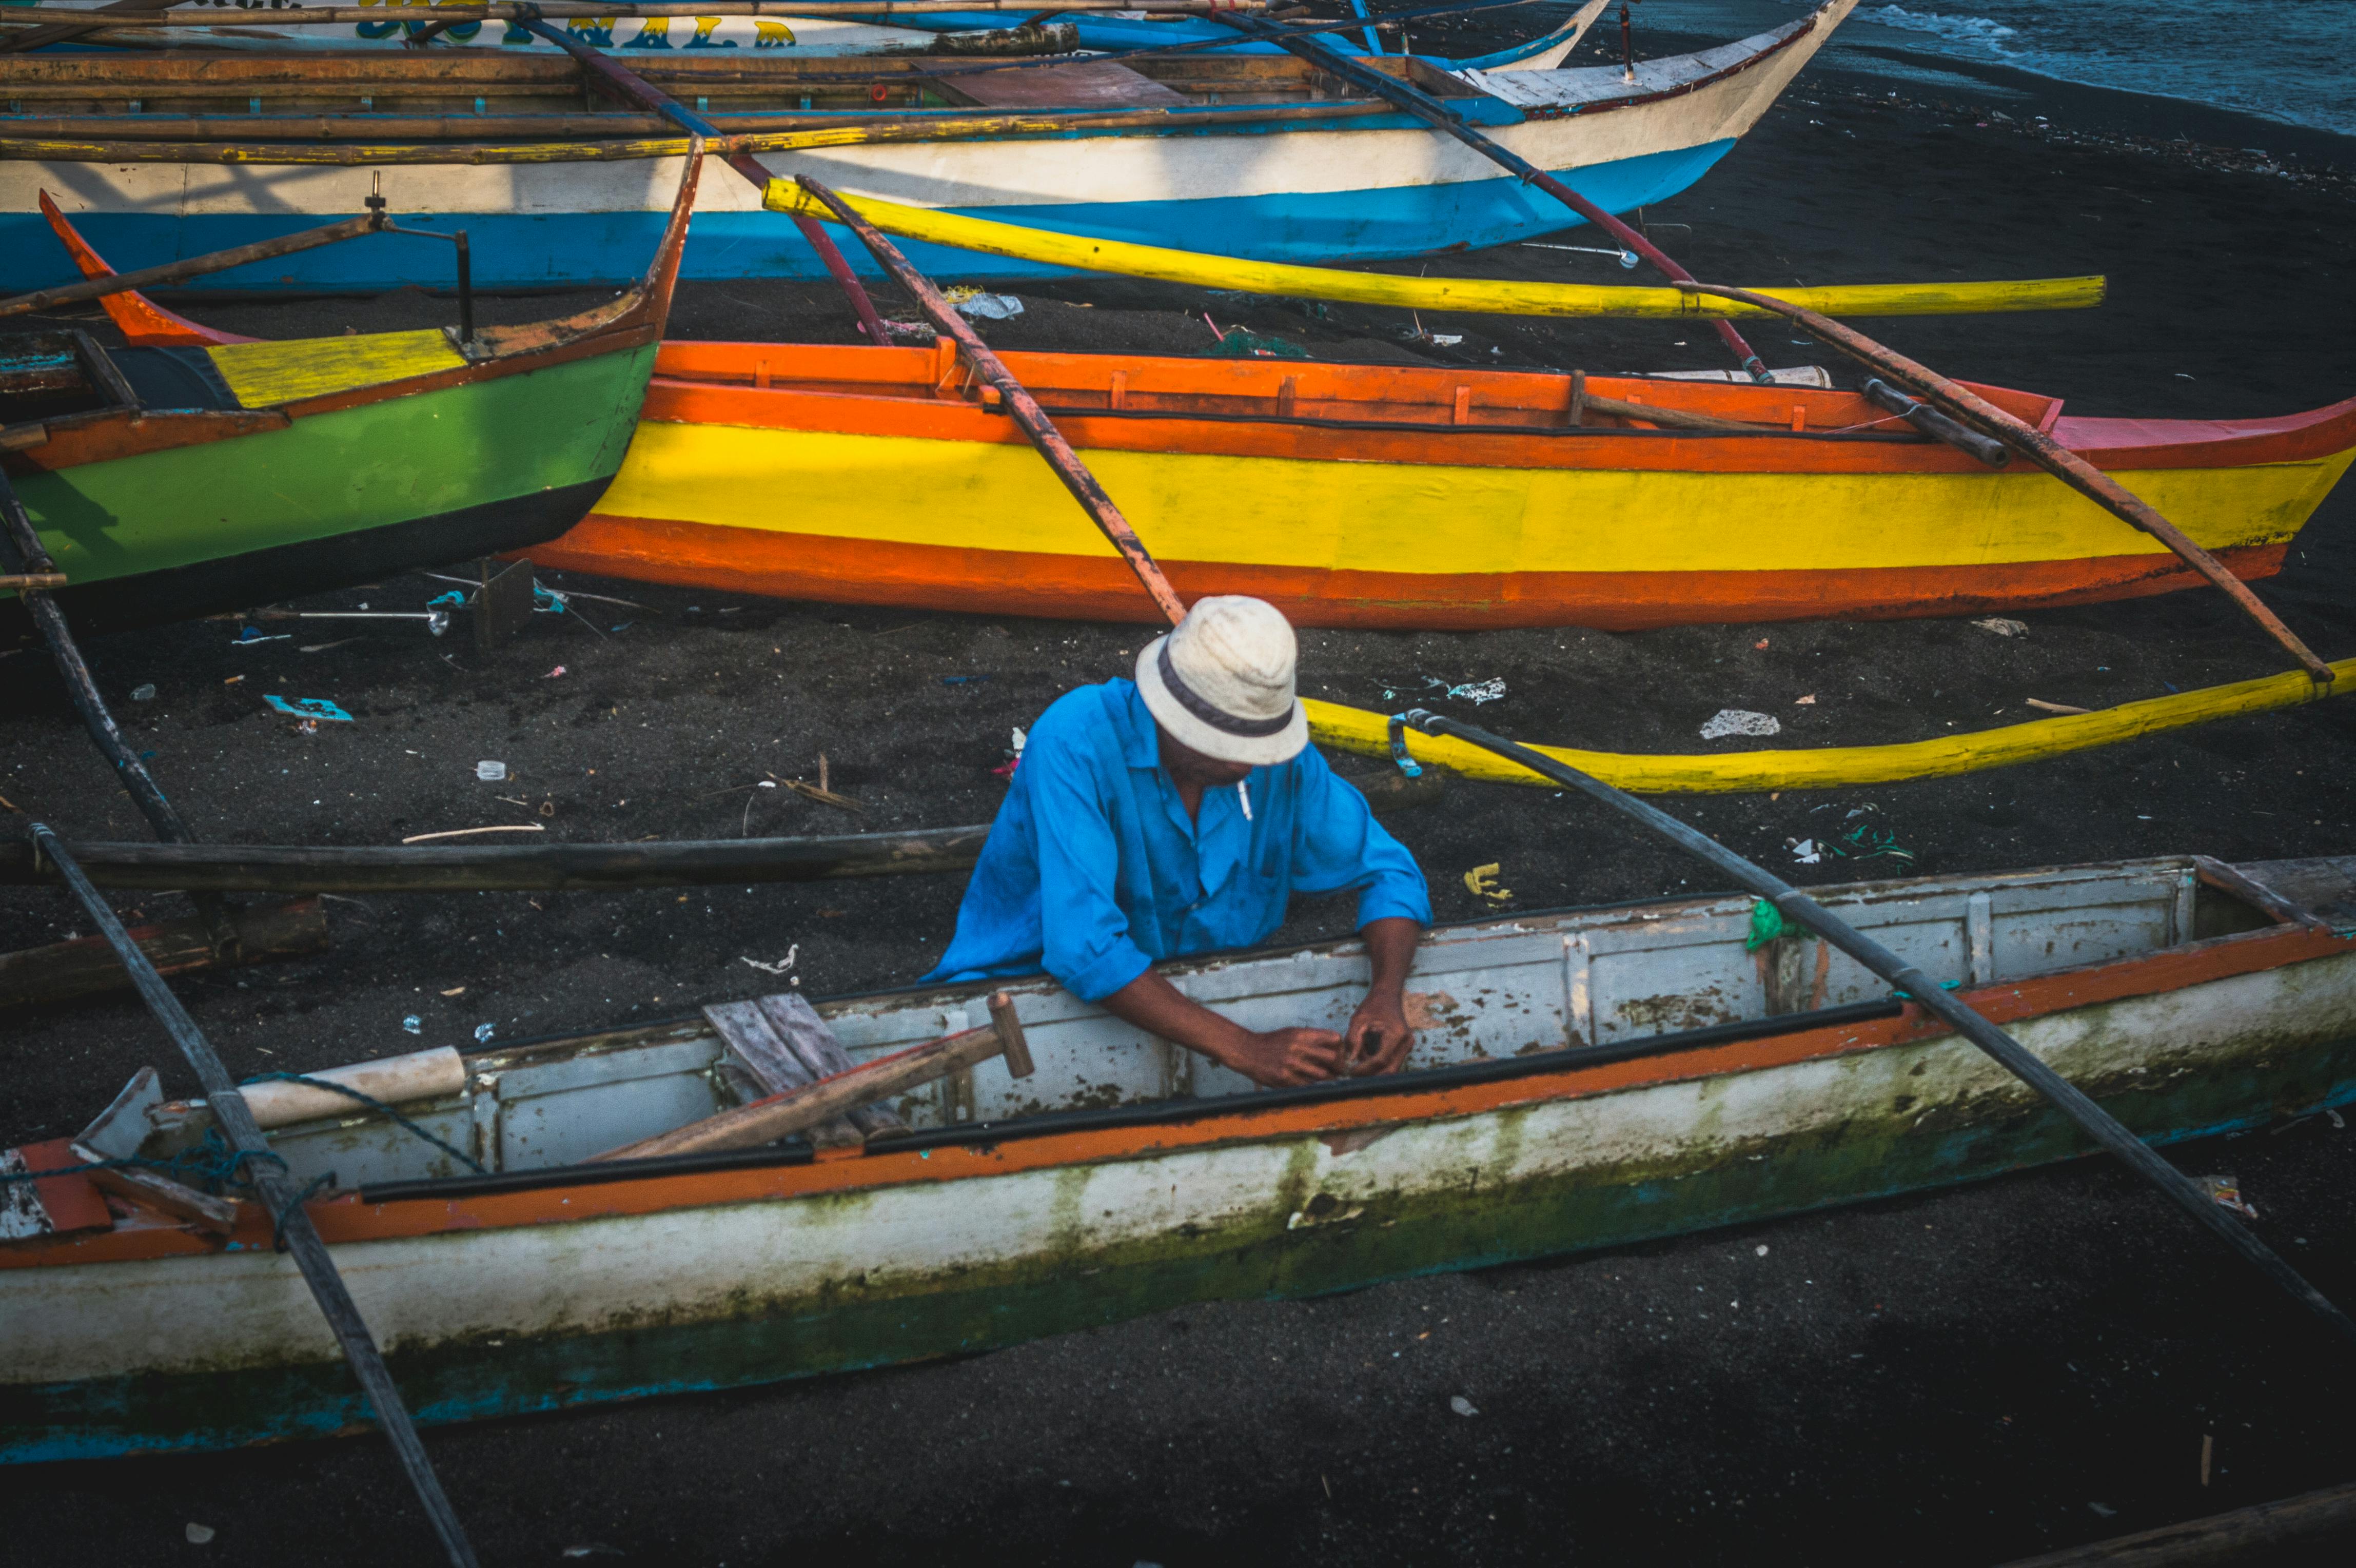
(1309, 391)
(469, 95)
(1493, 998)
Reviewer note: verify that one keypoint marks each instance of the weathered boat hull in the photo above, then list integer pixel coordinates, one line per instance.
(1357, 188)
(543, 1288)
(1364, 496)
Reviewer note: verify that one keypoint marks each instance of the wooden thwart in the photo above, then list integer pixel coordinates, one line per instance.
(799, 1110)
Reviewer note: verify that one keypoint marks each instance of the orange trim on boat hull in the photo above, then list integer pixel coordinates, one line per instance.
(1078, 587)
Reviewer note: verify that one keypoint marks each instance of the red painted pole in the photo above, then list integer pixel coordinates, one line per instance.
(1020, 404)
(635, 91)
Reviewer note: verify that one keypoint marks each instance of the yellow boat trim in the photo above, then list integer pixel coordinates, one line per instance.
(1377, 517)
(265, 375)
(1483, 295)
(1840, 767)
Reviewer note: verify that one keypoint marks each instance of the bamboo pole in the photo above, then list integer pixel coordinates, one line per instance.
(2041, 449)
(1433, 112)
(1494, 296)
(629, 88)
(557, 867)
(1924, 993)
(195, 266)
(284, 1202)
(1028, 416)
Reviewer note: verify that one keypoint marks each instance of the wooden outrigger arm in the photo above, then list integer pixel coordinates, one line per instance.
(632, 89)
(2039, 448)
(2042, 450)
(1024, 408)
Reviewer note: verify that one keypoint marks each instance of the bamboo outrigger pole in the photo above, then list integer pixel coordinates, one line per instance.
(195, 266)
(2047, 454)
(629, 88)
(2041, 449)
(2099, 1124)
(263, 1168)
(1429, 110)
(1025, 409)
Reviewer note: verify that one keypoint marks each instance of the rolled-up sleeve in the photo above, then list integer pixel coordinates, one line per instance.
(1337, 843)
(1085, 933)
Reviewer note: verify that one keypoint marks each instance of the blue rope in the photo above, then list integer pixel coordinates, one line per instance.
(210, 1164)
(377, 1105)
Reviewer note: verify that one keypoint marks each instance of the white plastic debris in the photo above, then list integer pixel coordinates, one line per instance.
(143, 694)
(482, 1033)
(1760, 1249)
(1805, 850)
(783, 966)
(1479, 692)
(199, 1534)
(1740, 721)
(2003, 625)
(1447, 339)
(1022, 738)
(414, 1024)
(491, 772)
(1462, 1406)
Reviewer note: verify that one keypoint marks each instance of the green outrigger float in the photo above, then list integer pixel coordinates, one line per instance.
(169, 481)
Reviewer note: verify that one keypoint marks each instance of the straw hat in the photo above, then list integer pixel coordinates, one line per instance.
(1222, 683)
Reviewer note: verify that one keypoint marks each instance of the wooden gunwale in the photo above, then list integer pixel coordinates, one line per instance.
(918, 125)
(891, 392)
(1365, 1104)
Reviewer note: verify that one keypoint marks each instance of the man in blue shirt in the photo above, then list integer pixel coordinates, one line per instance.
(1178, 814)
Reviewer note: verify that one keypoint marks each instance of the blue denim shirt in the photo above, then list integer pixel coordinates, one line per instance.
(1093, 870)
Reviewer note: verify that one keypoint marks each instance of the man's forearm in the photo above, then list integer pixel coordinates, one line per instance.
(1158, 1007)
(1390, 943)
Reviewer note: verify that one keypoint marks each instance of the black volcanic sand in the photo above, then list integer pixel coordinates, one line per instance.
(1956, 1379)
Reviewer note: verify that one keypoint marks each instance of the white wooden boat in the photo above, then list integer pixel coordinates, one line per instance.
(1257, 156)
(1583, 1079)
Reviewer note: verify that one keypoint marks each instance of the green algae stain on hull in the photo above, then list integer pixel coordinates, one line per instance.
(373, 466)
(1314, 1239)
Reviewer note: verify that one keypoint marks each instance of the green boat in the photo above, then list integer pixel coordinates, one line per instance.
(170, 481)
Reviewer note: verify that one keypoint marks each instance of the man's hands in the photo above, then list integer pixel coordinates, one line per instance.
(1283, 1057)
(1378, 1036)
(1377, 1041)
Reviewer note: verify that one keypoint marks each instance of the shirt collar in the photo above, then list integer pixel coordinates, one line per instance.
(1140, 737)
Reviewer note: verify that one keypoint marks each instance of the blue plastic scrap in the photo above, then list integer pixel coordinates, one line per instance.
(308, 708)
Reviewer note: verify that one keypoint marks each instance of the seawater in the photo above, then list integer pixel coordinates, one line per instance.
(2293, 60)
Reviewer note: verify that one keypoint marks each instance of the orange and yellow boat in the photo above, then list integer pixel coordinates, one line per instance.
(1404, 497)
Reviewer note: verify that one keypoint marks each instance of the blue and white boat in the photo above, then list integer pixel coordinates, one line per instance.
(1247, 154)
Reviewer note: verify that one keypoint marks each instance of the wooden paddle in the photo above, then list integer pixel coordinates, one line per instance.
(797, 1110)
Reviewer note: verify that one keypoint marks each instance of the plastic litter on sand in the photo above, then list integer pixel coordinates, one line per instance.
(490, 772)
(308, 708)
(143, 694)
(482, 1033)
(199, 1534)
(1740, 721)
(1462, 1406)
(2003, 625)
(414, 1024)
(975, 306)
(2225, 1192)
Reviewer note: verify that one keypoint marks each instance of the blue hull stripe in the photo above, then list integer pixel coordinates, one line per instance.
(513, 251)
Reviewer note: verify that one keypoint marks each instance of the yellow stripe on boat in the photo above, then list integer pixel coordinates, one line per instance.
(263, 375)
(1377, 517)
(1481, 295)
(1839, 766)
